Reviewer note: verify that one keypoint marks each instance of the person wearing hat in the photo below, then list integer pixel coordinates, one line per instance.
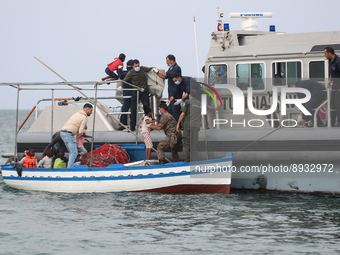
(126, 101)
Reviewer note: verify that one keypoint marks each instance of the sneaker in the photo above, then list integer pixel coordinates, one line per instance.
(121, 128)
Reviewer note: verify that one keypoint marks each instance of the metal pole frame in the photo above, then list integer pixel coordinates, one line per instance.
(137, 118)
(94, 122)
(52, 109)
(16, 127)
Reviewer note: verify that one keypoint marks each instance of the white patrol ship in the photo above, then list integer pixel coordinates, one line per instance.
(268, 153)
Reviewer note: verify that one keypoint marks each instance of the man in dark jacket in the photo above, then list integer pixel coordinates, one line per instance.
(126, 101)
(173, 91)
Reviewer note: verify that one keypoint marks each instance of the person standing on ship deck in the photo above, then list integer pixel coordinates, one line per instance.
(75, 125)
(137, 76)
(334, 75)
(126, 101)
(173, 91)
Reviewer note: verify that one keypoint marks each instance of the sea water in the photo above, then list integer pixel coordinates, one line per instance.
(146, 223)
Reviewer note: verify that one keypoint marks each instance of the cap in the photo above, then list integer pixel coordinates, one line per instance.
(130, 62)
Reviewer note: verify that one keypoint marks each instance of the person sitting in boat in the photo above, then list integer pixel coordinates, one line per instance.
(59, 161)
(318, 94)
(56, 142)
(80, 142)
(113, 66)
(75, 125)
(29, 160)
(46, 162)
(172, 138)
(146, 131)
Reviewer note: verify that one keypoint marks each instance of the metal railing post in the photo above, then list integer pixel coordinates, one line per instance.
(329, 107)
(137, 119)
(94, 121)
(52, 108)
(16, 126)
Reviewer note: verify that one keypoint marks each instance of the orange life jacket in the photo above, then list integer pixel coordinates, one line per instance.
(29, 162)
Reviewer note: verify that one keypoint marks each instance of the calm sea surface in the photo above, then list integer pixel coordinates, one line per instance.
(130, 223)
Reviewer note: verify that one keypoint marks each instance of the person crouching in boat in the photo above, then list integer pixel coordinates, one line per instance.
(75, 125)
(59, 161)
(172, 139)
(29, 160)
(46, 161)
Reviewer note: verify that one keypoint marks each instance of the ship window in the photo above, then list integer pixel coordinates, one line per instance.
(217, 74)
(286, 72)
(317, 70)
(250, 75)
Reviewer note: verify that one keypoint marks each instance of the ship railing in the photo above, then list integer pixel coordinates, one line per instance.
(39, 87)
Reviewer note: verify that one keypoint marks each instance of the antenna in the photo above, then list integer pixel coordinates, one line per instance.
(198, 68)
(249, 24)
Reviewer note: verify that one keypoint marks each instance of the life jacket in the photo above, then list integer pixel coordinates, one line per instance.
(30, 162)
(59, 163)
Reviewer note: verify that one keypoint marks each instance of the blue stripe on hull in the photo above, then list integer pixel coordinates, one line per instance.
(118, 167)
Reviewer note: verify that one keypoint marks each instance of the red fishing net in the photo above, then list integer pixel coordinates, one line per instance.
(106, 155)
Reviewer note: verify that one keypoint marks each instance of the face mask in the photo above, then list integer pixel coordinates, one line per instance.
(177, 82)
(170, 65)
(137, 69)
(159, 111)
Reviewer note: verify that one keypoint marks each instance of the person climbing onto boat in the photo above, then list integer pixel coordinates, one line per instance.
(172, 138)
(46, 162)
(59, 161)
(334, 76)
(148, 120)
(29, 160)
(318, 94)
(56, 142)
(75, 125)
(137, 76)
(173, 91)
(191, 113)
(126, 101)
(113, 66)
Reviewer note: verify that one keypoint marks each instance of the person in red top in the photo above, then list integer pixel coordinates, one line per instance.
(113, 66)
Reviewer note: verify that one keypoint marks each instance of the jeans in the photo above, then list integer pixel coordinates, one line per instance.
(70, 142)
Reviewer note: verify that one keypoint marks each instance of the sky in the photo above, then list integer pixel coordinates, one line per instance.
(78, 39)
